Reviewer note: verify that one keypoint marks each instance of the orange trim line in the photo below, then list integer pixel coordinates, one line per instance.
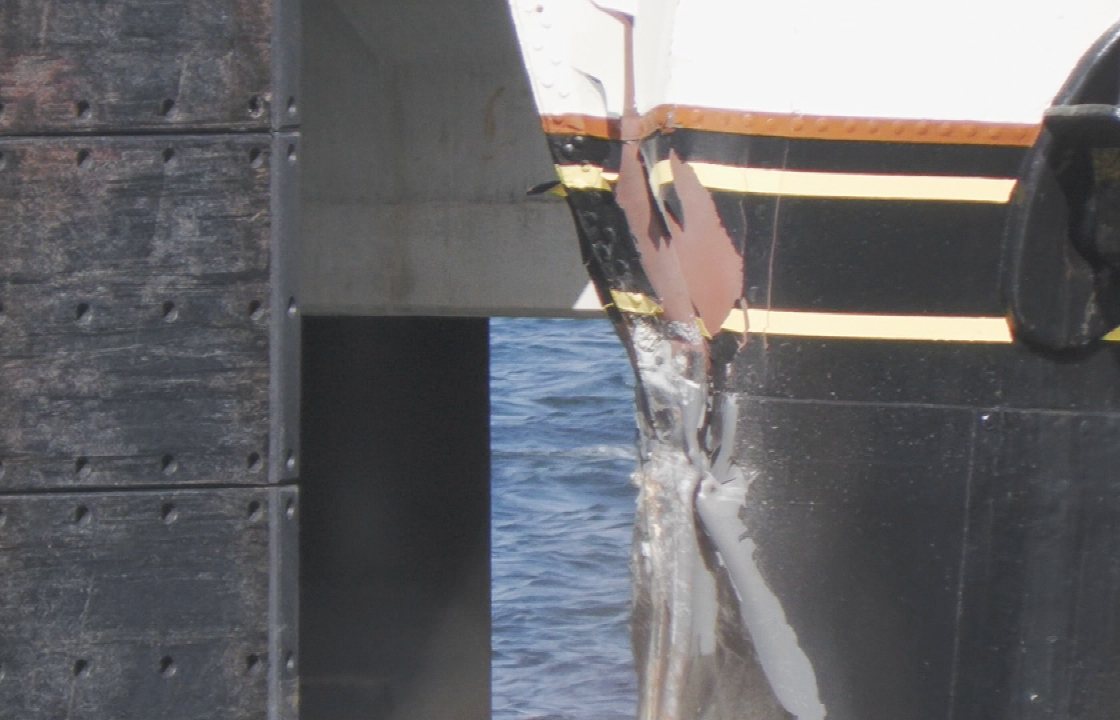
(815, 127)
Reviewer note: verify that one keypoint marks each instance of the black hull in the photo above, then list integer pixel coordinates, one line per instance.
(862, 528)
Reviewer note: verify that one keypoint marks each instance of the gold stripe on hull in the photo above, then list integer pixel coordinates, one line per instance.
(800, 183)
(855, 186)
(635, 303)
(856, 326)
(586, 177)
(847, 326)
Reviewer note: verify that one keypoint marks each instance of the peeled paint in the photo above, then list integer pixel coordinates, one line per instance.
(711, 639)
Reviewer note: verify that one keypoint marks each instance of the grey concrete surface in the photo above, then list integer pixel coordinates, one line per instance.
(420, 139)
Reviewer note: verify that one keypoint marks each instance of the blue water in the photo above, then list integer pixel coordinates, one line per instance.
(563, 436)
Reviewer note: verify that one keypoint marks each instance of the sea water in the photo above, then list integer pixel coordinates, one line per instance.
(563, 449)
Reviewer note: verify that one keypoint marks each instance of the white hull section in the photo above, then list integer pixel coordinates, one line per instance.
(998, 61)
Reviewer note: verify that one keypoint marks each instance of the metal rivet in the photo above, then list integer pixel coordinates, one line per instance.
(3, 161)
(293, 307)
(168, 464)
(82, 468)
(256, 107)
(82, 110)
(81, 668)
(290, 460)
(254, 461)
(253, 663)
(290, 509)
(290, 661)
(168, 513)
(83, 313)
(292, 107)
(81, 515)
(167, 107)
(168, 155)
(293, 156)
(253, 512)
(83, 159)
(256, 310)
(256, 157)
(3, 517)
(167, 666)
(170, 312)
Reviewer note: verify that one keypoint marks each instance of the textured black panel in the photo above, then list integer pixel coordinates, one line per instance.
(580, 149)
(607, 243)
(1041, 620)
(887, 256)
(135, 287)
(857, 515)
(841, 156)
(75, 66)
(138, 604)
(958, 374)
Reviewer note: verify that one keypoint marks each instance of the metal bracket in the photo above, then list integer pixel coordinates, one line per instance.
(1062, 243)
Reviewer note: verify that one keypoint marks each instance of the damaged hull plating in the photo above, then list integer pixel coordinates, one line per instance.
(860, 496)
(709, 634)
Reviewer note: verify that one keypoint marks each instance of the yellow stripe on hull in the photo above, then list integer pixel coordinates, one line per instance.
(802, 183)
(855, 326)
(585, 177)
(856, 186)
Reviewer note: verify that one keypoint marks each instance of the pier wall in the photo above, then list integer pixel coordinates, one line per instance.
(185, 188)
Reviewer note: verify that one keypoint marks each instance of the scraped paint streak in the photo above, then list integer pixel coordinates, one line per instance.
(786, 665)
(711, 638)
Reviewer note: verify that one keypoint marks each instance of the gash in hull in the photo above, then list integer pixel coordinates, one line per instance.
(863, 257)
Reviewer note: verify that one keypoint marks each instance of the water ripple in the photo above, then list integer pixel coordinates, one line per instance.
(562, 429)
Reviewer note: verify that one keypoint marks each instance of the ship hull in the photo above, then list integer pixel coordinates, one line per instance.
(863, 493)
